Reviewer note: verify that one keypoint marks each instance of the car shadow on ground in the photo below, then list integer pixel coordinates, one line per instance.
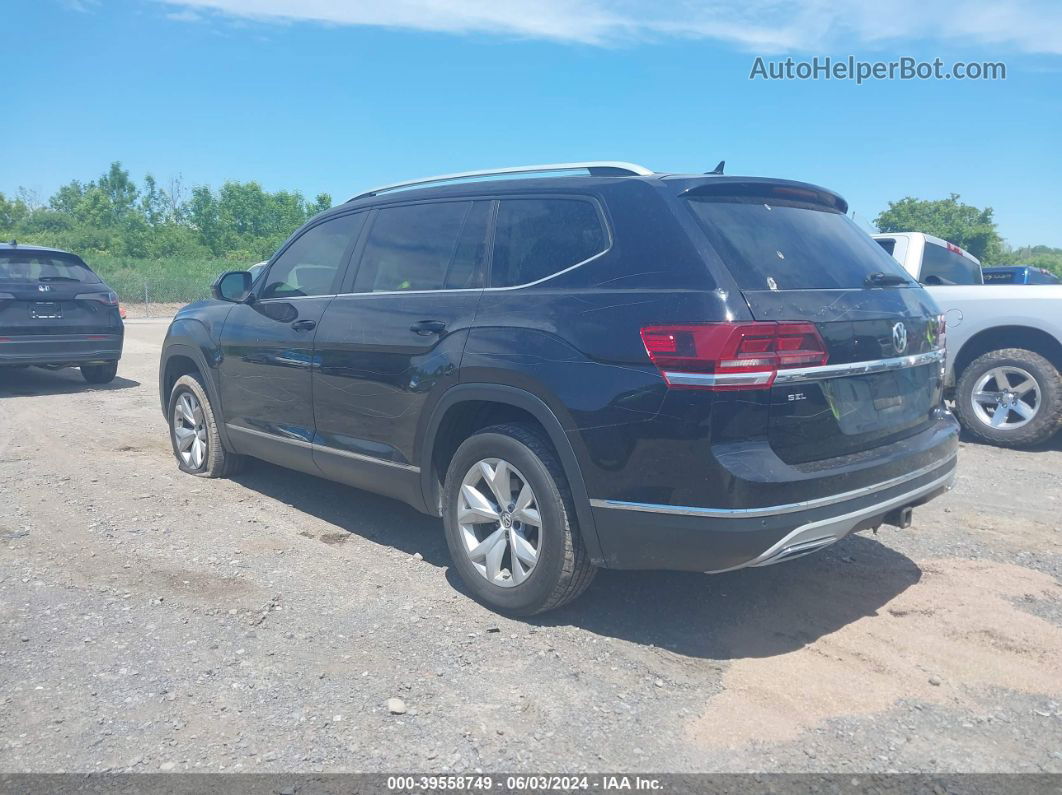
(751, 613)
(370, 516)
(34, 381)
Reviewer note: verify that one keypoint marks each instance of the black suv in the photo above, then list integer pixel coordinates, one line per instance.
(618, 368)
(55, 312)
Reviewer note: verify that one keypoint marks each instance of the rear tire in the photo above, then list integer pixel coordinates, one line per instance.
(528, 568)
(99, 373)
(194, 433)
(1025, 410)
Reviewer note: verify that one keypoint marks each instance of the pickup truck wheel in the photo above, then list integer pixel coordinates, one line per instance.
(194, 432)
(1010, 397)
(510, 522)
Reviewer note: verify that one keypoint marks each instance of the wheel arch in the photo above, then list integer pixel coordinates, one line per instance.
(467, 408)
(183, 358)
(1011, 336)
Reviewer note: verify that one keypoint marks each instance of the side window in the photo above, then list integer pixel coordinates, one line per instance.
(941, 266)
(309, 265)
(441, 245)
(535, 238)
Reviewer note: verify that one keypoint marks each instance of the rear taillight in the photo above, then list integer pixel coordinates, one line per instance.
(728, 356)
(107, 298)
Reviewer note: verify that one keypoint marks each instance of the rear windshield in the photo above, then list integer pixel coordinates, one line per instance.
(942, 266)
(789, 246)
(45, 266)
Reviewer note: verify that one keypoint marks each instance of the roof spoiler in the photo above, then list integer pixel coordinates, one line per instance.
(766, 190)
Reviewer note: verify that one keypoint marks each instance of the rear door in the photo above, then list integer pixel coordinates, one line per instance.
(396, 335)
(795, 258)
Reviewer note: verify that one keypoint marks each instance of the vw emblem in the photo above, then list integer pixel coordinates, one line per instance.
(43, 288)
(899, 337)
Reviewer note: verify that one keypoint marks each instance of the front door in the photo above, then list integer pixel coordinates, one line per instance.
(267, 345)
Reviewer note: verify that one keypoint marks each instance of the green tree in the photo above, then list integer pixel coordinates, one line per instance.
(961, 224)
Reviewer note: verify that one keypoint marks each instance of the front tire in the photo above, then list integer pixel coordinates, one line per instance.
(1010, 397)
(99, 373)
(510, 522)
(194, 432)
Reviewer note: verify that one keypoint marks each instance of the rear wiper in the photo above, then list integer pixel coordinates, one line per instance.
(882, 279)
(58, 279)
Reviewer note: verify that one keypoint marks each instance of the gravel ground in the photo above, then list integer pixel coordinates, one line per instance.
(155, 621)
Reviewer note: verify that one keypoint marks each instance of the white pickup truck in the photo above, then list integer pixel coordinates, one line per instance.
(1004, 341)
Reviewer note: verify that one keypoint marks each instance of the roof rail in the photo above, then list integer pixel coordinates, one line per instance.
(599, 168)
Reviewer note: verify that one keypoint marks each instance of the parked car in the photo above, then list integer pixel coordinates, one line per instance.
(1018, 274)
(55, 312)
(1004, 342)
(614, 369)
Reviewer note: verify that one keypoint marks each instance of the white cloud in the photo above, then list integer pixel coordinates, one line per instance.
(184, 15)
(758, 25)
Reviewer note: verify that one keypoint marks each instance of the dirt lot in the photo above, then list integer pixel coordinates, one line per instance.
(150, 620)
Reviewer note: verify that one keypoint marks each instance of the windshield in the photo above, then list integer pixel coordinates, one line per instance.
(773, 245)
(32, 266)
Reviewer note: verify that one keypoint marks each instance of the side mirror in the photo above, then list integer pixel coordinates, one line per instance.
(233, 286)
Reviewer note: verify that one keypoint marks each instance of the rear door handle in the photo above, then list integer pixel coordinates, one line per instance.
(304, 325)
(428, 327)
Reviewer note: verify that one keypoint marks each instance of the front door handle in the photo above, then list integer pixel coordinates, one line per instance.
(304, 325)
(427, 327)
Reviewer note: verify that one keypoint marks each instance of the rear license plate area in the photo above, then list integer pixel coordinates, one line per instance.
(46, 310)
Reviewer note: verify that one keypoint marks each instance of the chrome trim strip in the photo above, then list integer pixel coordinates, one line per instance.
(814, 536)
(324, 448)
(717, 379)
(367, 458)
(272, 436)
(857, 368)
(632, 169)
(772, 510)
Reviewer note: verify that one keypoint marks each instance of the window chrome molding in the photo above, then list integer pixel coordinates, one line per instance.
(771, 510)
(858, 368)
(323, 448)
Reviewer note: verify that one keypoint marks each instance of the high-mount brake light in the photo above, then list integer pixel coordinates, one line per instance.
(731, 356)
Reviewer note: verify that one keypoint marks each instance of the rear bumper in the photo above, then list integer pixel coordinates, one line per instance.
(691, 538)
(60, 349)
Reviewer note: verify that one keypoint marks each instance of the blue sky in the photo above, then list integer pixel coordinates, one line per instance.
(339, 95)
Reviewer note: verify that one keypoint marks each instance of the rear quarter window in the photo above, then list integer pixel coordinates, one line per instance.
(537, 238)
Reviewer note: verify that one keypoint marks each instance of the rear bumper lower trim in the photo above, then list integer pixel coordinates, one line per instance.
(771, 510)
(813, 536)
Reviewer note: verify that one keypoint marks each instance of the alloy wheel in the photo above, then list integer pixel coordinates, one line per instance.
(1006, 398)
(189, 429)
(499, 522)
